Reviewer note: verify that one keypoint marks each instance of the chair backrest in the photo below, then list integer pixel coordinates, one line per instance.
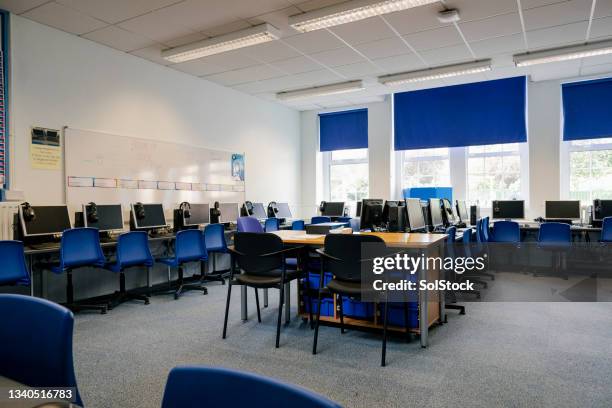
(252, 245)
(189, 246)
(347, 251)
(81, 247)
(606, 230)
(298, 225)
(482, 230)
(271, 224)
(555, 233)
(36, 339)
(319, 219)
(133, 249)
(13, 269)
(249, 224)
(214, 237)
(355, 224)
(467, 240)
(506, 231)
(224, 387)
(344, 219)
(451, 233)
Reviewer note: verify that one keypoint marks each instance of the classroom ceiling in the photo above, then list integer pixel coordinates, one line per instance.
(401, 41)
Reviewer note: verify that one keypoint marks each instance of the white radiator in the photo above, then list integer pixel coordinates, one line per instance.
(7, 217)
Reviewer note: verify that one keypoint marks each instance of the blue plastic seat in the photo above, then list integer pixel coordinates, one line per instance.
(36, 339)
(319, 220)
(554, 234)
(13, 269)
(80, 247)
(451, 232)
(132, 250)
(249, 224)
(271, 224)
(606, 230)
(188, 247)
(194, 387)
(214, 239)
(506, 231)
(298, 225)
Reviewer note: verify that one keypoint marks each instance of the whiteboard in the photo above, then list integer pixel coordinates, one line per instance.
(112, 169)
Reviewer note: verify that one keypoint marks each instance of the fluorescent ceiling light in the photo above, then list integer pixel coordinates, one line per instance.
(350, 11)
(446, 71)
(223, 43)
(333, 89)
(563, 53)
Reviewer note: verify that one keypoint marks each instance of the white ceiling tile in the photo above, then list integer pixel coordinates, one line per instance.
(64, 18)
(297, 65)
(279, 19)
(354, 71)
(309, 79)
(603, 8)
(271, 51)
(119, 38)
(478, 9)
(597, 69)
(159, 25)
(557, 36)
(20, 6)
(185, 39)
(310, 5)
(447, 55)
(340, 56)
(314, 41)
(114, 11)
(505, 24)
(367, 30)
(400, 63)
(557, 14)
(383, 48)
(226, 28)
(198, 68)
(416, 19)
(497, 46)
(245, 75)
(231, 60)
(545, 72)
(437, 38)
(527, 4)
(152, 53)
(601, 27)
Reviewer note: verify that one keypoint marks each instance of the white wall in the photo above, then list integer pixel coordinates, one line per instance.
(59, 79)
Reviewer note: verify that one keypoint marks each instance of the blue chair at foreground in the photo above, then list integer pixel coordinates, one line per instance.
(214, 239)
(249, 224)
(36, 339)
(319, 220)
(80, 247)
(188, 247)
(13, 269)
(224, 387)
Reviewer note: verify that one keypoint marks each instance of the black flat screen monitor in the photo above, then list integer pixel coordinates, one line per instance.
(435, 207)
(199, 215)
(358, 210)
(154, 217)
(229, 212)
(602, 209)
(48, 220)
(259, 211)
(462, 211)
(416, 220)
(333, 209)
(562, 210)
(508, 209)
(283, 210)
(110, 217)
(371, 213)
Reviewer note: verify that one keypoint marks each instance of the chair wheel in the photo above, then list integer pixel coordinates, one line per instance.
(146, 301)
(176, 296)
(103, 311)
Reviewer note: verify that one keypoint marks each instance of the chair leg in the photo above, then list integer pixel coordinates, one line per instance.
(383, 361)
(77, 307)
(257, 304)
(280, 312)
(123, 295)
(308, 291)
(316, 330)
(227, 304)
(341, 314)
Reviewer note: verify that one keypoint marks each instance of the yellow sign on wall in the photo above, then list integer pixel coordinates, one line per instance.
(46, 149)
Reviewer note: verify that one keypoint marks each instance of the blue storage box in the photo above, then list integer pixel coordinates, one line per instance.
(396, 315)
(355, 308)
(327, 306)
(314, 278)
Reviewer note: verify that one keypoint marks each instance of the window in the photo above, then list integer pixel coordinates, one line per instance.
(425, 168)
(494, 172)
(348, 175)
(589, 175)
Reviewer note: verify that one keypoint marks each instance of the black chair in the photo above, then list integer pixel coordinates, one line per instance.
(261, 258)
(342, 258)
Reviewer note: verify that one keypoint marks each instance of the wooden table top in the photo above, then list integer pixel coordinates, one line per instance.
(393, 239)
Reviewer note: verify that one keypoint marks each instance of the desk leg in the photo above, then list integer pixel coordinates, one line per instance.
(243, 302)
(265, 297)
(287, 302)
(423, 313)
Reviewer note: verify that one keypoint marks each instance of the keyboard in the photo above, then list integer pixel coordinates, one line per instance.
(45, 245)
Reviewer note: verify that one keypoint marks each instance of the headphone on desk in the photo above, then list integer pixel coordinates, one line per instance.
(139, 210)
(91, 212)
(272, 209)
(185, 209)
(322, 207)
(28, 212)
(215, 211)
(248, 206)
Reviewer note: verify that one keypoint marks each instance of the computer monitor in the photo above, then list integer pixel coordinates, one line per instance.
(199, 214)
(508, 209)
(48, 220)
(283, 210)
(416, 220)
(448, 213)
(462, 211)
(562, 209)
(109, 217)
(601, 209)
(149, 216)
(259, 211)
(358, 210)
(371, 213)
(229, 212)
(333, 209)
(435, 208)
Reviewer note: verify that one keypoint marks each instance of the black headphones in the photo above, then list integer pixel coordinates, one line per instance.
(272, 209)
(28, 212)
(139, 211)
(322, 206)
(91, 211)
(185, 209)
(215, 210)
(248, 206)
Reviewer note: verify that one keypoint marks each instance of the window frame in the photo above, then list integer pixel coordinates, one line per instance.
(328, 162)
(566, 149)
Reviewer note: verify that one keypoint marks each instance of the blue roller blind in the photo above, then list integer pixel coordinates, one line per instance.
(343, 130)
(475, 114)
(587, 109)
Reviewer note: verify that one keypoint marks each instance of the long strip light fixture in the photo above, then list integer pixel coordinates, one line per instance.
(223, 43)
(563, 53)
(325, 90)
(350, 11)
(446, 71)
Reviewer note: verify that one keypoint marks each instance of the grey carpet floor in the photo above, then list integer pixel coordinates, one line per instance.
(498, 355)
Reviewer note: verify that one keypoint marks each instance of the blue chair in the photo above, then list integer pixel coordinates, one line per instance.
(36, 339)
(506, 232)
(344, 219)
(319, 220)
(555, 237)
(223, 387)
(451, 233)
(355, 224)
(606, 230)
(132, 250)
(271, 224)
(482, 238)
(249, 224)
(13, 269)
(467, 241)
(188, 247)
(214, 239)
(80, 247)
(298, 225)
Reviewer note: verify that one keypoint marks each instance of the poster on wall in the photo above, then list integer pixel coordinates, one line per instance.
(238, 167)
(45, 149)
